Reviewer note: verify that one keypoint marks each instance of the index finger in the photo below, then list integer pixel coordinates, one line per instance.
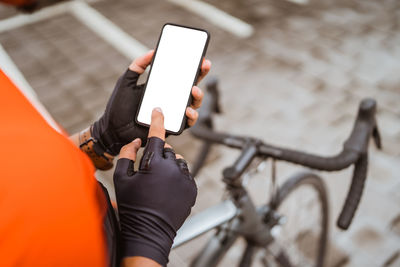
(157, 124)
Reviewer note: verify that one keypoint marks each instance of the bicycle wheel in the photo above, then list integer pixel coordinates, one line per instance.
(300, 243)
(302, 240)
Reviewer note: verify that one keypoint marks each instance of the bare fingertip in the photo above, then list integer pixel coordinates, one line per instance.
(191, 111)
(166, 145)
(158, 109)
(195, 91)
(199, 92)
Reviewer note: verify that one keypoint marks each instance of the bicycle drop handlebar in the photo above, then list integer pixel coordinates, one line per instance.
(355, 149)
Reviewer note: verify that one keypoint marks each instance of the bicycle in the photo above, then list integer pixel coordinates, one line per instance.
(238, 216)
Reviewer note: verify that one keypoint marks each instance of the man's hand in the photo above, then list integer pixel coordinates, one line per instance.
(153, 202)
(117, 126)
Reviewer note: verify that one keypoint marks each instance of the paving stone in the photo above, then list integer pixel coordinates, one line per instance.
(371, 239)
(297, 83)
(57, 61)
(388, 124)
(337, 257)
(7, 11)
(393, 260)
(367, 237)
(395, 225)
(384, 169)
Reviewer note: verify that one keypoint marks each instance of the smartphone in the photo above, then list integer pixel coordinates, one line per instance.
(174, 70)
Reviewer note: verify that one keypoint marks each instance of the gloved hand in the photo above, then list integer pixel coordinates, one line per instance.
(117, 126)
(154, 202)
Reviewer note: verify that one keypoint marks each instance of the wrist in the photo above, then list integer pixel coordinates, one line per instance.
(139, 261)
(144, 250)
(95, 151)
(145, 235)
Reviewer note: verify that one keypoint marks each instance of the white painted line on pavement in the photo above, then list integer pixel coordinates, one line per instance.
(42, 14)
(103, 27)
(24, 19)
(107, 30)
(90, 17)
(12, 71)
(217, 17)
(299, 2)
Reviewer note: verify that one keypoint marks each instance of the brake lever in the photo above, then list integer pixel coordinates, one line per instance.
(212, 88)
(377, 137)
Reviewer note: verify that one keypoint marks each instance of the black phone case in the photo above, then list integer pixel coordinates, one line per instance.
(184, 119)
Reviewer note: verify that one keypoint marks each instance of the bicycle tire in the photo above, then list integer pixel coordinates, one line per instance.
(290, 187)
(216, 250)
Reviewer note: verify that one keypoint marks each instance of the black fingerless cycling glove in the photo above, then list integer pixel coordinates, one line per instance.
(117, 126)
(154, 202)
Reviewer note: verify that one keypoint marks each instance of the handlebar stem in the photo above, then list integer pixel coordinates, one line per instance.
(232, 175)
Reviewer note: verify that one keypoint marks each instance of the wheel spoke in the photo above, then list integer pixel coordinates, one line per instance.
(277, 251)
(301, 241)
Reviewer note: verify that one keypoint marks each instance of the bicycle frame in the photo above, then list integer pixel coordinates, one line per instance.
(354, 151)
(240, 218)
(221, 214)
(239, 212)
(205, 221)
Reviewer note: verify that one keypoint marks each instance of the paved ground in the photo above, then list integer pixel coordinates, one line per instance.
(296, 82)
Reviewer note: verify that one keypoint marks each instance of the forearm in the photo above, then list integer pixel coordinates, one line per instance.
(138, 261)
(84, 140)
(75, 139)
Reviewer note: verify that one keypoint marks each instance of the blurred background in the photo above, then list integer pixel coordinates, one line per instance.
(290, 72)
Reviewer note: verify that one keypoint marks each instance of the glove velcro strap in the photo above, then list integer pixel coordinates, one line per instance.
(109, 144)
(89, 145)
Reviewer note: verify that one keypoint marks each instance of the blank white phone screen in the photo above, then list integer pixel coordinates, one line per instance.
(172, 75)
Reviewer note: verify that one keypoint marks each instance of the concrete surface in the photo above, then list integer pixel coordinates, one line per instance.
(296, 82)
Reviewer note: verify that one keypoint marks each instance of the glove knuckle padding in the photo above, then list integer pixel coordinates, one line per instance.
(173, 192)
(155, 145)
(117, 126)
(154, 202)
(169, 153)
(120, 172)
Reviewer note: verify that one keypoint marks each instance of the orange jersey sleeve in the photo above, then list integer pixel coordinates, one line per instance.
(50, 209)
(17, 2)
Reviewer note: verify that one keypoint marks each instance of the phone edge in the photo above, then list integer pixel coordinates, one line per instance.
(184, 120)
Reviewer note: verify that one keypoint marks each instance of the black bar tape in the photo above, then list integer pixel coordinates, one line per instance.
(338, 162)
(354, 195)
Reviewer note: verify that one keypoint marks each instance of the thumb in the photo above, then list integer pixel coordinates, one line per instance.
(140, 64)
(157, 124)
(129, 151)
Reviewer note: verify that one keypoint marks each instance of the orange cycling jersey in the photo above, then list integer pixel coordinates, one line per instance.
(18, 2)
(50, 203)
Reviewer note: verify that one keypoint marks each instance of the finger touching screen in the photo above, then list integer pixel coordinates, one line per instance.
(173, 73)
